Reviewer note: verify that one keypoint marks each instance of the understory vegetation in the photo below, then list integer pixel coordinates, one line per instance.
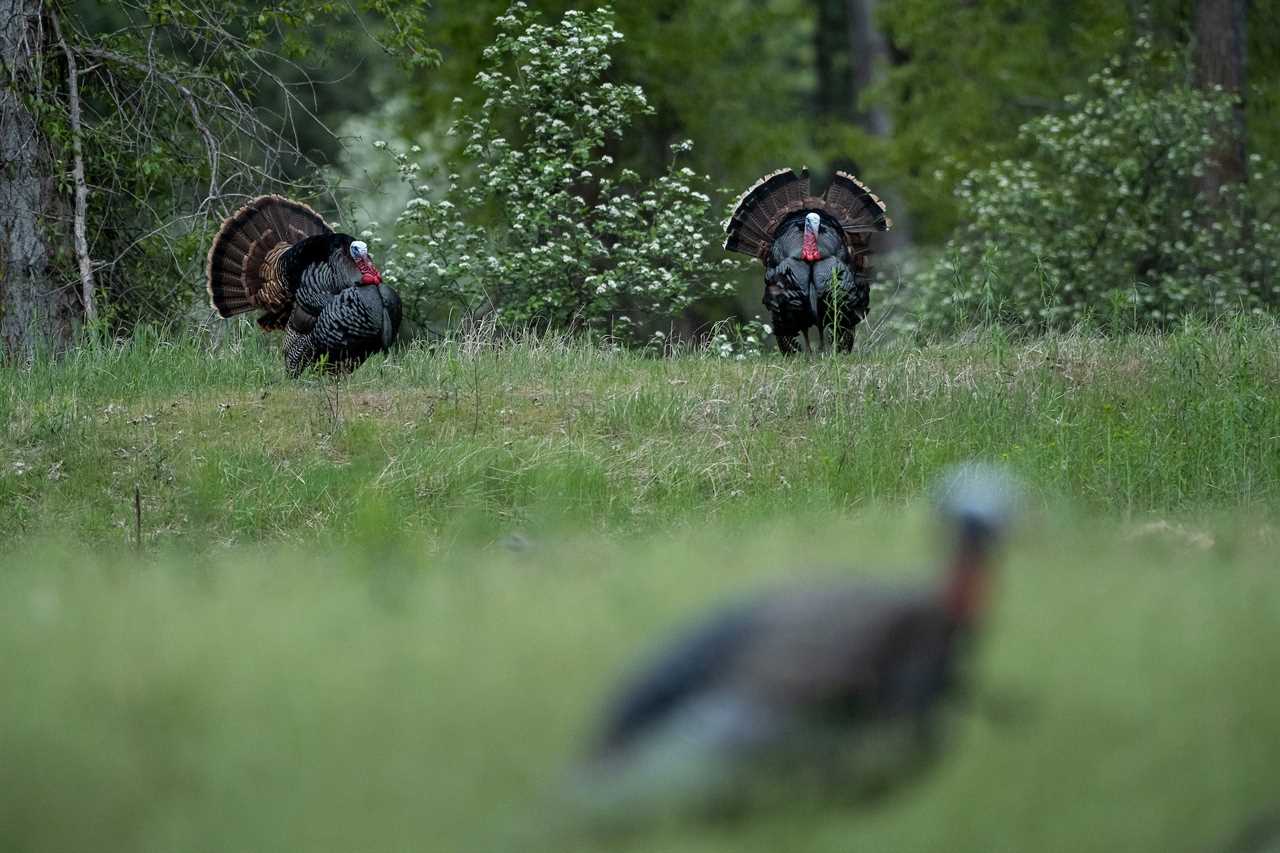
(544, 229)
(1108, 219)
(558, 185)
(370, 613)
(1104, 217)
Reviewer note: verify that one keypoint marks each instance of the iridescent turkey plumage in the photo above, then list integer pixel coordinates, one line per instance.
(351, 326)
(320, 287)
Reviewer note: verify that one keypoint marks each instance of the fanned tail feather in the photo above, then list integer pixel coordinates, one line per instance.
(760, 209)
(247, 246)
(857, 208)
(752, 226)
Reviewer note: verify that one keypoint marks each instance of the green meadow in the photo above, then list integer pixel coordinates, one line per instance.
(382, 613)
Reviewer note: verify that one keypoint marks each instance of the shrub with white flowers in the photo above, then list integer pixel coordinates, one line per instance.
(534, 220)
(1105, 220)
(738, 340)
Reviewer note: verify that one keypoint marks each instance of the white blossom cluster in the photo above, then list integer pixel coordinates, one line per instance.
(543, 226)
(739, 340)
(1105, 220)
(732, 339)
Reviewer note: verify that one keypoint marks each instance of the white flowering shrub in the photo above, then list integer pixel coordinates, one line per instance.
(1104, 219)
(534, 221)
(732, 338)
(738, 339)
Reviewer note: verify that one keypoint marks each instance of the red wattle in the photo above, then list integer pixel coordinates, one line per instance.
(809, 251)
(370, 272)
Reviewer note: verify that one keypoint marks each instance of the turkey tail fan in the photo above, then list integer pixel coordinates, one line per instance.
(762, 207)
(856, 206)
(250, 241)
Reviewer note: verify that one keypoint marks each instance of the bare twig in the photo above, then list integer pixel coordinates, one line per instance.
(337, 399)
(210, 142)
(137, 518)
(85, 262)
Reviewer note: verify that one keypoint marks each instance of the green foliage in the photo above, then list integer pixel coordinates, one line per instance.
(734, 339)
(963, 74)
(187, 107)
(735, 75)
(569, 237)
(1105, 218)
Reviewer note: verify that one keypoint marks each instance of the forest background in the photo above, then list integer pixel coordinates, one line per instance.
(131, 128)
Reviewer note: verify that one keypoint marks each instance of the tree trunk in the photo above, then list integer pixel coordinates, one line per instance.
(868, 55)
(1220, 61)
(831, 67)
(35, 311)
(867, 49)
(85, 262)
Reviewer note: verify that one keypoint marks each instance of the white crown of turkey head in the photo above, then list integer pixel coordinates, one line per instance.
(831, 689)
(360, 254)
(978, 499)
(812, 221)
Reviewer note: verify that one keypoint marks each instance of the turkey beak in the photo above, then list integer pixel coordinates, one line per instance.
(368, 272)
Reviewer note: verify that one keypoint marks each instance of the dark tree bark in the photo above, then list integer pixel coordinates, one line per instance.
(868, 53)
(831, 61)
(867, 49)
(35, 310)
(1221, 40)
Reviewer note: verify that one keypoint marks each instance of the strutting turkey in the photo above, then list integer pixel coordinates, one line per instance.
(828, 688)
(278, 256)
(815, 252)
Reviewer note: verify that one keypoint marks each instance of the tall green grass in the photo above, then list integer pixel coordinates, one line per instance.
(474, 438)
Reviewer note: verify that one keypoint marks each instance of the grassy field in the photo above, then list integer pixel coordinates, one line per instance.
(380, 615)
(471, 440)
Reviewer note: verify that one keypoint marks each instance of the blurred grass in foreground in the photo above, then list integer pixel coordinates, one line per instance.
(277, 698)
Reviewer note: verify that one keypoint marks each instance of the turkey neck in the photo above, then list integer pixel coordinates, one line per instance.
(965, 589)
(809, 250)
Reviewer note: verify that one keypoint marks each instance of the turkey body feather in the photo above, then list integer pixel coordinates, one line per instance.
(826, 293)
(836, 654)
(353, 324)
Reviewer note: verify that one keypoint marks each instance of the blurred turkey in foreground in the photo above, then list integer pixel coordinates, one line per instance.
(814, 250)
(279, 256)
(1260, 835)
(830, 689)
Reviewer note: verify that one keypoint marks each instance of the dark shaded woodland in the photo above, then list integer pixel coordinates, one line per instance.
(131, 128)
